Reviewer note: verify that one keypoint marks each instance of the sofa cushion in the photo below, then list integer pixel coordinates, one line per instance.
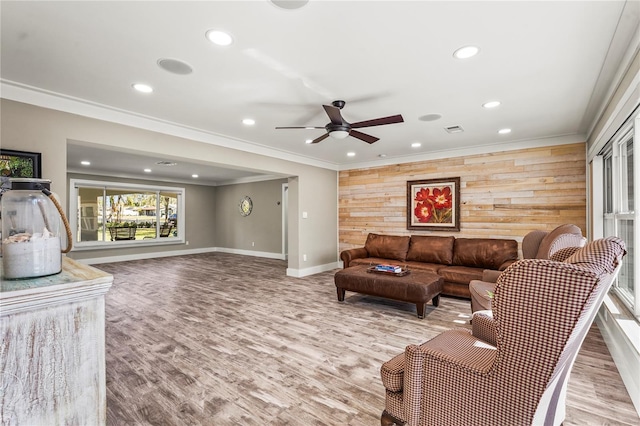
(599, 256)
(387, 246)
(412, 266)
(489, 253)
(371, 261)
(460, 274)
(544, 250)
(431, 249)
(424, 266)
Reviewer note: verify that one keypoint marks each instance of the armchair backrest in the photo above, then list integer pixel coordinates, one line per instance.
(540, 325)
(542, 244)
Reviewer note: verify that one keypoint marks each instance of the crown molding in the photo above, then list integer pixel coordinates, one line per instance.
(47, 99)
(463, 152)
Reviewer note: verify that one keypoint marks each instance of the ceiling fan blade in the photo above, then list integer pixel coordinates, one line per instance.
(301, 127)
(334, 114)
(378, 121)
(321, 138)
(363, 136)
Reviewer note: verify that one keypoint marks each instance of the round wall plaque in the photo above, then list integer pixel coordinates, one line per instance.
(245, 206)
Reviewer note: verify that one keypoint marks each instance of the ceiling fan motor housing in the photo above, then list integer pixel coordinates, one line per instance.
(339, 128)
(345, 127)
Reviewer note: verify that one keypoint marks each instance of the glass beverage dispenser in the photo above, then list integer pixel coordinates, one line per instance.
(31, 228)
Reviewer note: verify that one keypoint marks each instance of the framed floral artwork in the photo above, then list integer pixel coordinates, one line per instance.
(434, 204)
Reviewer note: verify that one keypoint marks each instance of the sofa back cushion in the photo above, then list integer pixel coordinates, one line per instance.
(387, 246)
(489, 253)
(431, 249)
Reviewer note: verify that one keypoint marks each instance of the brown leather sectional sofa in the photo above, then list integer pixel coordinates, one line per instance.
(456, 260)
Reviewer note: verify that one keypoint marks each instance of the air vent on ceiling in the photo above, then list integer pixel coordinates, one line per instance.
(454, 129)
(166, 163)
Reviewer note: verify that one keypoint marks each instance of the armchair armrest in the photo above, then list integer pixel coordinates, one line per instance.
(490, 275)
(506, 264)
(357, 253)
(439, 367)
(414, 373)
(484, 327)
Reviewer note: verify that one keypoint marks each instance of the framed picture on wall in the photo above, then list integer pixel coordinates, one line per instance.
(18, 164)
(434, 204)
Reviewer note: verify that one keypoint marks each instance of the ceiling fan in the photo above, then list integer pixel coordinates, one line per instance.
(339, 128)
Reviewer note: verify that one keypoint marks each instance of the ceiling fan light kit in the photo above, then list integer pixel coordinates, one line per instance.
(339, 134)
(339, 128)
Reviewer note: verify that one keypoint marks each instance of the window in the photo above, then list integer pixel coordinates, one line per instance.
(619, 208)
(117, 214)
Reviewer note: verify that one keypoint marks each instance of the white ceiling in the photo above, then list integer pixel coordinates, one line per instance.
(550, 63)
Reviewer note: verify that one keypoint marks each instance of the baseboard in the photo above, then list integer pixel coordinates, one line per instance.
(618, 331)
(140, 256)
(266, 254)
(299, 273)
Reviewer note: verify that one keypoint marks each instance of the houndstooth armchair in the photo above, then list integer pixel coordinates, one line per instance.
(512, 368)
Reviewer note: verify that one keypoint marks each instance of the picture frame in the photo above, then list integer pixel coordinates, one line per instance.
(18, 164)
(434, 204)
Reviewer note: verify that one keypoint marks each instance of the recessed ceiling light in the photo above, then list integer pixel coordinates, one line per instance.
(466, 52)
(504, 131)
(491, 104)
(85, 163)
(416, 145)
(382, 155)
(194, 176)
(248, 121)
(351, 154)
(141, 87)
(308, 141)
(147, 170)
(219, 37)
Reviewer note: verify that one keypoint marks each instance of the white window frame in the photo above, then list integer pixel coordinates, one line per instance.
(74, 184)
(620, 203)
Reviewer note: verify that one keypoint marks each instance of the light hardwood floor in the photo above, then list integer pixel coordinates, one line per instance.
(221, 339)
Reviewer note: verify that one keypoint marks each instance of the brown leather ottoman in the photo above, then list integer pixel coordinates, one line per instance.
(416, 287)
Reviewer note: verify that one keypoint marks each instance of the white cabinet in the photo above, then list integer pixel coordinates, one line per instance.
(52, 352)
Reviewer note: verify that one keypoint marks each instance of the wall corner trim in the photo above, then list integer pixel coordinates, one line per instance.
(299, 273)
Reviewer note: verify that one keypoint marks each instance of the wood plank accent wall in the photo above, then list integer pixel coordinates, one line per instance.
(502, 194)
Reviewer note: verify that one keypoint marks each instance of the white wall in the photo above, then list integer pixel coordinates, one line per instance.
(260, 231)
(31, 128)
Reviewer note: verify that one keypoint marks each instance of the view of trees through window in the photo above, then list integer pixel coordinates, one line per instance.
(119, 214)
